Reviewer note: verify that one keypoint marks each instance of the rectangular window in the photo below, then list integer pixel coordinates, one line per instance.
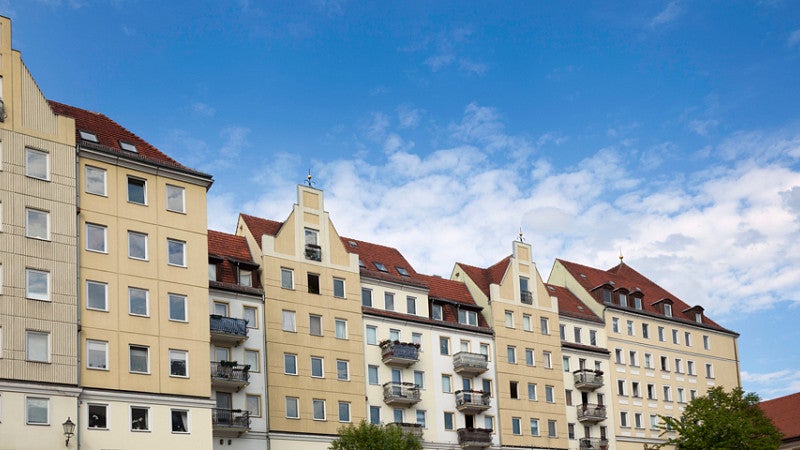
(634, 358)
(629, 325)
(138, 304)
(394, 335)
(98, 416)
(137, 191)
(571, 430)
(651, 392)
(511, 351)
(532, 391)
(436, 311)
(516, 426)
(366, 297)
(245, 278)
(342, 370)
(509, 319)
(709, 370)
(95, 182)
(526, 322)
(287, 278)
(176, 198)
(411, 305)
(372, 375)
(635, 389)
(96, 354)
(388, 301)
(678, 365)
(253, 403)
(623, 419)
(37, 164)
(312, 249)
(545, 325)
(687, 338)
(565, 363)
(548, 360)
(344, 411)
(667, 393)
(534, 427)
(37, 346)
(653, 421)
(292, 408)
(289, 364)
(416, 338)
(637, 420)
(621, 387)
(338, 288)
(317, 367)
(37, 284)
(250, 314)
(137, 245)
(252, 359)
(318, 407)
(288, 321)
(419, 379)
(615, 325)
(37, 411)
(96, 236)
(372, 335)
(177, 252)
(592, 337)
(487, 386)
(661, 334)
(177, 307)
(568, 397)
(138, 359)
(467, 317)
(513, 388)
(706, 342)
(552, 426)
(449, 421)
(375, 415)
(444, 345)
(529, 360)
(664, 364)
(577, 335)
(668, 310)
(645, 331)
(648, 361)
(549, 394)
(315, 324)
(690, 367)
(180, 420)
(681, 395)
(37, 224)
(178, 363)
(313, 283)
(212, 272)
(675, 336)
(447, 383)
(341, 328)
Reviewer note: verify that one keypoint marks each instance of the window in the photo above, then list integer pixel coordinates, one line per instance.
(388, 301)
(568, 397)
(637, 303)
(645, 331)
(319, 409)
(618, 356)
(317, 367)
(313, 283)
(289, 364)
(648, 361)
(664, 364)
(526, 322)
(138, 359)
(621, 387)
(212, 272)
(623, 419)
(484, 349)
(338, 288)
(245, 278)
(653, 422)
(37, 411)
(180, 420)
(313, 250)
(661, 334)
(545, 325)
(137, 191)
(615, 325)
(565, 363)
(96, 354)
(96, 238)
(315, 324)
(342, 370)
(341, 328)
(667, 393)
(178, 363)
(292, 407)
(176, 198)
(651, 392)
(516, 426)
(37, 224)
(690, 367)
(577, 335)
(509, 319)
(447, 383)
(548, 360)
(488, 422)
(623, 299)
(532, 391)
(394, 335)
(436, 311)
(375, 415)
(137, 245)
(534, 427)
(37, 164)
(177, 252)
(177, 307)
(592, 337)
(681, 395)
(372, 374)
(687, 338)
(449, 421)
(571, 430)
(287, 278)
(288, 321)
(366, 297)
(372, 335)
(88, 136)
(630, 327)
(419, 379)
(692, 394)
(635, 389)
(37, 346)
(411, 305)
(250, 314)
(98, 416)
(675, 336)
(637, 420)
(252, 359)
(529, 359)
(549, 394)
(138, 304)
(416, 338)
(511, 351)
(421, 418)
(634, 358)
(467, 317)
(552, 426)
(678, 365)
(37, 284)
(668, 310)
(709, 370)
(487, 386)
(444, 345)
(513, 389)
(253, 403)
(706, 342)
(344, 411)
(95, 182)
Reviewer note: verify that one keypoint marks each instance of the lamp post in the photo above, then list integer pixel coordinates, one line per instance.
(69, 429)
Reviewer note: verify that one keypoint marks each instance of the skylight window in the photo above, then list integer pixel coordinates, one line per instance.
(127, 146)
(402, 271)
(380, 267)
(361, 263)
(87, 136)
(352, 243)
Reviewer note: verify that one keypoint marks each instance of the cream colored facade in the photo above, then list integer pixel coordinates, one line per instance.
(308, 247)
(38, 308)
(524, 420)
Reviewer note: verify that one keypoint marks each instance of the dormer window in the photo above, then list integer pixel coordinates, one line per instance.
(637, 303)
(245, 278)
(127, 146)
(623, 299)
(212, 272)
(606, 296)
(467, 317)
(88, 136)
(437, 312)
(667, 309)
(402, 271)
(380, 267)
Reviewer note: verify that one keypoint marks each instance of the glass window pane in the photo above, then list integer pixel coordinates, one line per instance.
(137, 301)
(177, 307)
(138, 359)
(175, 198)
(95, 180)
(137, 245)
(36, 164)
(136, 191)
(37, 284)
(37, 346)
(37, 410)
(177, 252)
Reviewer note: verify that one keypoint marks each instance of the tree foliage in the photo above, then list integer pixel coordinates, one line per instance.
(722, 420)
(368, 436)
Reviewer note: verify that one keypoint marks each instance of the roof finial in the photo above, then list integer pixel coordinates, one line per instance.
(620, 256)
(309, 181)
(520, 235)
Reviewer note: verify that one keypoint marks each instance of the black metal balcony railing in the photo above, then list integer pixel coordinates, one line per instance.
(230, 418)
(400, 393)
(593, 444)
(228, 325)
(399, 353)
(411, 428)
(472, 401)
(470, 363)
(313, 252)
(230, 371)
(586, 379)
(474, 438)
(526, 297)
(589, 412)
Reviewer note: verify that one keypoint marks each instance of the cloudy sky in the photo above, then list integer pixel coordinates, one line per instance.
(665, 130)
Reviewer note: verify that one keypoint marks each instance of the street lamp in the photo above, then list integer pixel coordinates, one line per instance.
(69, 429)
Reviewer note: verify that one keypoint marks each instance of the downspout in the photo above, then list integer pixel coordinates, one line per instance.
(78, 294)
(266, 372)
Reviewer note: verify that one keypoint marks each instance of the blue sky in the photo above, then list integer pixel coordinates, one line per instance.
(667, 130)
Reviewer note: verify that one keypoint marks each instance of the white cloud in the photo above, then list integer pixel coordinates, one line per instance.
(450, 49)
(772, 384)
(702, 127)
(669, 14)
(407, 116)
(202, 109)
(794, 38)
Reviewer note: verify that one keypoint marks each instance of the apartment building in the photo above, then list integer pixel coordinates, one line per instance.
(238, 380)
(143, 291)
(527, 349)
(314, 338)
(38, 296)
(664, 352)
(427, 348)
(585, 360)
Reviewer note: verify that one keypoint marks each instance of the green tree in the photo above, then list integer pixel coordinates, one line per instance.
(722, 420)
(368, 436)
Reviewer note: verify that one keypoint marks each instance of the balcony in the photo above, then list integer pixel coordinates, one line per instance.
(474, 438)
(593, 444)
(472, 402)
(591, 413)
(588, 380)
(470, 364)
(400, 394)
(313, 252)
(227, 330)
(229, 375)
(396, 353)
(526, 297)
(414, 429)
(230, 422)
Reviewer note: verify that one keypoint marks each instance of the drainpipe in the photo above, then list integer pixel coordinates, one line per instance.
(266, 372)
(78, 295)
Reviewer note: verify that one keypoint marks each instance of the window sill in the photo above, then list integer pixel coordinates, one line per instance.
(102, 252)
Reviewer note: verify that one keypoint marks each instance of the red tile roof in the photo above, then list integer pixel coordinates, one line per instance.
(389, 257)
(490, 275)
(109, 134)
(259, 227)
(571, 306)
(445, 289)
(785, 414)
(229, 251)
(624, 276)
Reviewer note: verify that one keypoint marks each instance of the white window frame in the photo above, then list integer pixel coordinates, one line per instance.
(147, 421)
(28, 405)
(182, 191)
(29, 334)
(128, 190)
(255, 366)
(346, 367)
(136, 234)
(179, 355)
(245, 277)
(89, 416)
(321, 367)
(544, 323)
(29, 293)
(516, 426)
(339, 282)
(99, 170)
(31, 153)
(254, 310)
(146, 302)
(178, 298)
(296, 402)
(289, 321)
(186, 422)
(30, 215)
(371, 335)
(287, 357)
(314, 403)
(257, 398)
(290, 274)
(90, 283)
(96, 228)
(312, 320)
(99, 346)
(343, 323)
(344, 407)
(130, 359)
(176, 244)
